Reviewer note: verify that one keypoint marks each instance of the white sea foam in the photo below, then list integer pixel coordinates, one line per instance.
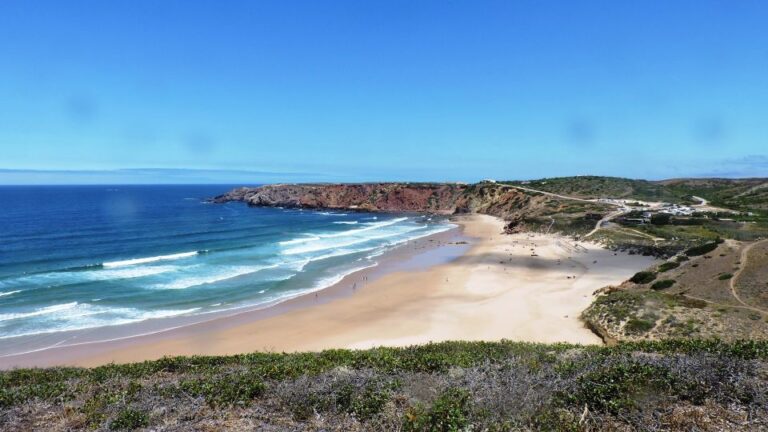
(371, 226)
(128, 273)
(346, 222)
(333, 280)
(227, 273)
(342, 252)
(3, 294)
(76, 316)
(136, 261)
(368, 227)
(97, 274)
(335, 244)
(38, 312)
(379, 252)
(320, 284)
(304, 239)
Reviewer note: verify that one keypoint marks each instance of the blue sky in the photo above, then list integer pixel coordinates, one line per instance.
(392, 90)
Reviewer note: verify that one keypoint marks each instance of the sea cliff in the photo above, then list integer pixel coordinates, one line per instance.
(499, 200)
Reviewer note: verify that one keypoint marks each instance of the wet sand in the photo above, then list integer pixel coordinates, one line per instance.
(520, 287)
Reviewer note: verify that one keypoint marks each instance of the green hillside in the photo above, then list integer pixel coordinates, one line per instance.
(739, 194)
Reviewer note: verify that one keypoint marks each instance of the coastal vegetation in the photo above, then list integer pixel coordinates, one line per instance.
(702, 249)
(662, 284)
(451, 386)
(738, 194)
(717, 290)
(667, 266)
(643, 277)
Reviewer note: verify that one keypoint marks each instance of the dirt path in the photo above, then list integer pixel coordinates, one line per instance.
(725, 305)
(655, 239)
(606, 218)
(703, 202)
(598, 225)
(550, 194)
(732, 283)
(752, 189)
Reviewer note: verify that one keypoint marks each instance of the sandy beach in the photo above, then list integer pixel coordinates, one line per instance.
(523, 287)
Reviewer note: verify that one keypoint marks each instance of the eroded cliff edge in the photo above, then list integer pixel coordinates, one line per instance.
(512, 204)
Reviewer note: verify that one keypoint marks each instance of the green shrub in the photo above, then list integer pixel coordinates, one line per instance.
(370, 403)
(667, 266)
(725, 276)
(660, 219)
(226, 389)
(643, 277)
(612, 389)
(662, 284)
(367, 403)
(638, 325)
(450, 412)
(129, 419)
(702, 249)
(363, 387)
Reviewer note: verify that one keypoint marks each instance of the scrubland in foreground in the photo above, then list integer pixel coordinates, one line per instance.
(451, 386)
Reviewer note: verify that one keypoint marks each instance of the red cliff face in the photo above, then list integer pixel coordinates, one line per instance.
(487, 198)
(436, 198)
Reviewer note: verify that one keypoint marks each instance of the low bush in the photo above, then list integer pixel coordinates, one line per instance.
(614, 388)
(129, 419)
(450, 386)
(667, 266)
(643, 277)
(226, 389)
(702, 249)
(725, 276)
(639, 325)
(450, 412)
(662, 284)
(660, 219)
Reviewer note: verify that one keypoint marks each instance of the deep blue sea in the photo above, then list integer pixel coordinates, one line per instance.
(83, 257)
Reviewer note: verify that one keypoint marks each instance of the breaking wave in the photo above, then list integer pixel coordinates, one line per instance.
(137, 261)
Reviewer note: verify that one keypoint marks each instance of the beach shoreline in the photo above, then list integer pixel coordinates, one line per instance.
(472, 283)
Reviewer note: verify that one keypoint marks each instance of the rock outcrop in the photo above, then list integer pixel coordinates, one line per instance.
(444, 198)
(436, 198)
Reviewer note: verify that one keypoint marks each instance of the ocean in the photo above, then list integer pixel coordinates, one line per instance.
(79, 258)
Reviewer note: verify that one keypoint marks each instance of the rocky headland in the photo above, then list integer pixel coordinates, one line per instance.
(513, 205)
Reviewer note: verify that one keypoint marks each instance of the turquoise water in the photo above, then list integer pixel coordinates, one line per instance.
(84, 257)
